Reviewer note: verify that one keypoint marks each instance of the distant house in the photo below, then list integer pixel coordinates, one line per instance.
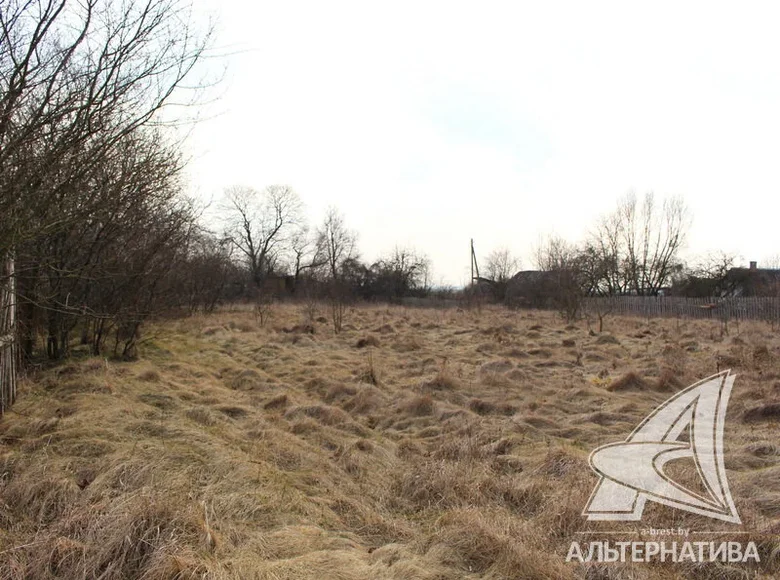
(531, 289)
(752, 281)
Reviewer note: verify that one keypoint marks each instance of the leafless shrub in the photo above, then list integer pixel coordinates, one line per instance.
(370, 373)
(264, 308)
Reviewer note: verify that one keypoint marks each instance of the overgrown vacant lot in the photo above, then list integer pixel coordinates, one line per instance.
(415, 444)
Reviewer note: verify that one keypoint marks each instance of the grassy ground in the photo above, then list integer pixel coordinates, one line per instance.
(415, 444)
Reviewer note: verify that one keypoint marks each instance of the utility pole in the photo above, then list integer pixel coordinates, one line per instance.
(474, 264)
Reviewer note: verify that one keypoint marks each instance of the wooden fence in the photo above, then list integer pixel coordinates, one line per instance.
(8, 345)
(738, 308)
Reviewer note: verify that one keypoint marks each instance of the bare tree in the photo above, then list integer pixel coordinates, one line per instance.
(563, 278)
(336, 242)
(306, 252)
(637, 246)
(76, 78)
(403, 272)
(259, 223)
(501, 265)
(709, 276)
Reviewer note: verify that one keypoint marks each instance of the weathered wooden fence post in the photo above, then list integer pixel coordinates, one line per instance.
(8, 336)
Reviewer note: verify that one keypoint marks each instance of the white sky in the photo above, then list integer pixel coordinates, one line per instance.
(428, 123)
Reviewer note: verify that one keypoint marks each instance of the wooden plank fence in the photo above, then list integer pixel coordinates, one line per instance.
(725, 309)
(8, 344)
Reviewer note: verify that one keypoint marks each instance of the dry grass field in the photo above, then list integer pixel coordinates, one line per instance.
(415, 444)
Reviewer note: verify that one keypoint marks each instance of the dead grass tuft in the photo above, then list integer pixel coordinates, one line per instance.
(339, 392)
(41, 498)
(607, 339)
(482, 407)
(559, 463)
(487, 544)
(202, 416)
(325, 414)
(277, 402)
(628, 382)
(159, 400)
(668, 381)
(761, 355)
(149, 376)
(233, 411)
(365, 341)
(366, 400)
(246, 380)
(370, 372)
(419, 406)
(762, 413)
(443, 381)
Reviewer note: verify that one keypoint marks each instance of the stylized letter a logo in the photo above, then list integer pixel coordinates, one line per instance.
(633, 471)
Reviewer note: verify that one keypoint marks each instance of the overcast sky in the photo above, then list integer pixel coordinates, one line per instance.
(431, 123)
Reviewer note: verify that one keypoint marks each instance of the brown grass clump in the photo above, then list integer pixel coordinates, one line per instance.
(629, 381)
(339, 392)
(408, 343)
(761, 413)
(498, 366)
(277, 402)
(559, 463)
(761, 355)
(508, 464)
(149, 376)
(487, 544)
(366, 400)
(202, 415)
(300, 329)
(325, 414)
(607, 339)
(482, 407)
(158, 400)
(370, 372)
(233, 411)
(668, 381)
(365, 341)
(419, 406)
(443, 381)
(246, 380)
(435, 484)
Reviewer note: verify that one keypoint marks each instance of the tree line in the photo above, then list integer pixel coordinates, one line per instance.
(92, 196)
(94, 207)
(91, 191)
(272, 239)
(634, 250)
